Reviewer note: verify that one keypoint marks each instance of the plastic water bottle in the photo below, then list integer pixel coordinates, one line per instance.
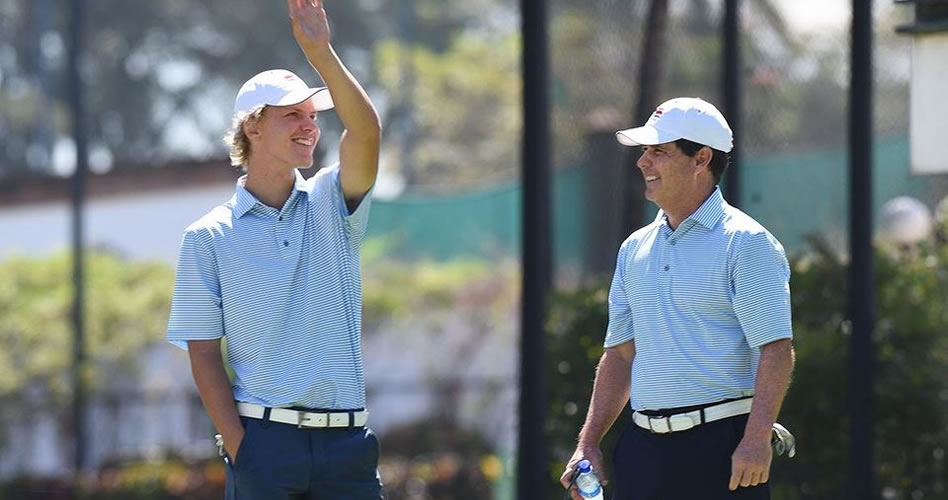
(587, 482)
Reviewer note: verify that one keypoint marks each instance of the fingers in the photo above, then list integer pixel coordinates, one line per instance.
(749, 479)
(567, 476)
(736, 473)
(601, 473)
(746, 477)
(297, 7)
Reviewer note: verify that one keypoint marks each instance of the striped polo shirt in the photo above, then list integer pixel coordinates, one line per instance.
(284, 288)
(699, 301)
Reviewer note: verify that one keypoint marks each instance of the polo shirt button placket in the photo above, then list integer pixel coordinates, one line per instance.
(283, 241)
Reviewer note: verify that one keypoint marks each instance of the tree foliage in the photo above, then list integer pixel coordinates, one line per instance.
(463, 102)
(127, 305)
(126, 308)
(161, 76)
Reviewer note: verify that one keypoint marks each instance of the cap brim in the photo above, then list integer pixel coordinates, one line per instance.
(645, 136)
(320, 95)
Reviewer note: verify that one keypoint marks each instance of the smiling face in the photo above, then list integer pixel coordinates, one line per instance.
(285, 135)
(672, 177)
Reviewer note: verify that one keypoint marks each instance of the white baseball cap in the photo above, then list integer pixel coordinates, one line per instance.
(688, 118)
(278, 87)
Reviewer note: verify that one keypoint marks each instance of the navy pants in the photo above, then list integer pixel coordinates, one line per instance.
(688, 465)
(279, 461)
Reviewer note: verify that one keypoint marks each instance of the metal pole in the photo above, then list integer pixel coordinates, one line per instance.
(78, 251)
(43, 126)
(732, 95)
(408, 21)
(861, 279)
(532, 477)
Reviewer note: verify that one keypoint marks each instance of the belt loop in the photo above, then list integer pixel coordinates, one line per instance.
(352, 419)
(702, 416)
(266, 418)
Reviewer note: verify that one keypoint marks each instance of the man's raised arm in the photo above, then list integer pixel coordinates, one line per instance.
(359, 149)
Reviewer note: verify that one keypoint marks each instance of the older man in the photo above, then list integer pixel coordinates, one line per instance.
(699, 336)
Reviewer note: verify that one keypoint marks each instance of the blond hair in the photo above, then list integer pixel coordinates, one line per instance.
(237, 139)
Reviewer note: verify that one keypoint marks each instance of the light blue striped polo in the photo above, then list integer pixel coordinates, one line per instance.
(285, 289)
(699, 302)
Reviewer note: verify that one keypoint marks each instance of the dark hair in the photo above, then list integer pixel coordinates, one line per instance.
(719, 159)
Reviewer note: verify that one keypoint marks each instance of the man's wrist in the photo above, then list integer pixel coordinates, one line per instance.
(758, 433)
(317, 53)
(588, 442)
(232, 431)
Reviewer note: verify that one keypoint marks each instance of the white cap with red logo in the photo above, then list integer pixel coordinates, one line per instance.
(278, 87)
(688, 118)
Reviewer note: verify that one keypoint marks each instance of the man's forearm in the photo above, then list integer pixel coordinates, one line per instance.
(773, 378)
(207, 367)
(361, 139)
(609, 397)
(352, 104)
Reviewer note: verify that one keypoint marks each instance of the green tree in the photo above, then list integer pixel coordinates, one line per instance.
(127, 309)
(464, 102)
(160, 77)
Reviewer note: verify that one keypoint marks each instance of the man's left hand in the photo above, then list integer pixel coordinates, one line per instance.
(750, 463)
(310, 24)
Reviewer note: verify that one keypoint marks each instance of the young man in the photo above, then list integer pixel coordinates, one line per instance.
(275, 270)
(699, 336)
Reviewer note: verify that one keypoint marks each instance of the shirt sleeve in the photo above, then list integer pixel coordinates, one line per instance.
(196, 307)
(620, 329)
(355, 223)
(761, 290)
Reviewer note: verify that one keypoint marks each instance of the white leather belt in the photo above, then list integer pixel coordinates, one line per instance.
(307, 419)
(685, 421)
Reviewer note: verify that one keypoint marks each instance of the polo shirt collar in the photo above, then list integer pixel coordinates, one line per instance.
(244, 201)
(711, 211)
(708, 214)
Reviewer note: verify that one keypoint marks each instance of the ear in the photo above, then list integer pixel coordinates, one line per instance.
(703, 158)
(252, 128)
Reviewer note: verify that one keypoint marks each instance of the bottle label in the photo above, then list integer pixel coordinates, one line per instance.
(590, 494)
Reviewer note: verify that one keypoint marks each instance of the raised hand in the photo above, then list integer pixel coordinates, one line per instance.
(310, 24)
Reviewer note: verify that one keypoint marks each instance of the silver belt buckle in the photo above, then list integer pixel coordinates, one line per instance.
(304, 420)
(300, 417)
(685, 419)
(658, 429)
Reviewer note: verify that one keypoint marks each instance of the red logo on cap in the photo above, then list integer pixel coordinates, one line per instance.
(289, 77)
(658, 112)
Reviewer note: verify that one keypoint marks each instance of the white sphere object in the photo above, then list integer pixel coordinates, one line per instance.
(905, 220)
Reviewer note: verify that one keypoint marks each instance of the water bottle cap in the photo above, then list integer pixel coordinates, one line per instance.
(584, 466)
